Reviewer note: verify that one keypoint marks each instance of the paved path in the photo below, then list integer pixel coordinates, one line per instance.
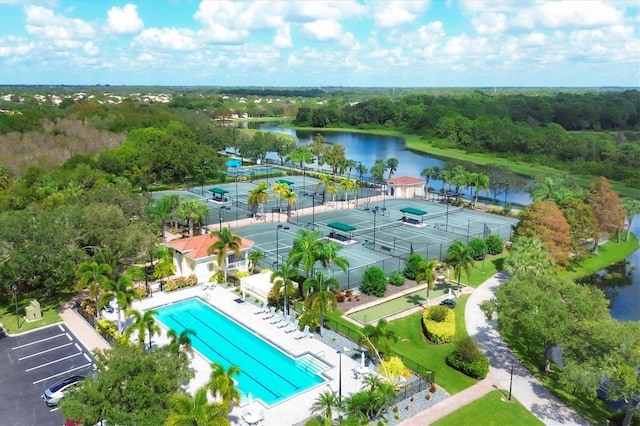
(525, 388)
(80, 327)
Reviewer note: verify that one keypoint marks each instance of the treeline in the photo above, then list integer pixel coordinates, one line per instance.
(591, 133)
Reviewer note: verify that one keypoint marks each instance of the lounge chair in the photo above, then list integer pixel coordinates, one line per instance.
(293, 326)
(277, 318)
(285, 321)
(271, 313)
(263, 310)
(304, 333)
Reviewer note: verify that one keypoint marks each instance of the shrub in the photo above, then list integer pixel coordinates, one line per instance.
(478, 248)
(374, 281)
(180, 282)
(109, 331)
(394, 369)
(495, 244)
(242, 274)
(433, 388)
(468, 359)
(439, 331)
(340, 296)
(396, 278)
(411, 266)
(89, 307)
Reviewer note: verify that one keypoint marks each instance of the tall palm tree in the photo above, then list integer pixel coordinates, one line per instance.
(528, 256)
(328, 186)
(362, 170)
(222, 384)
(254, 257)
(328, 256)
(480, 182)
(459, 257)
(144, 324)
(550, 189)
(377, 337)
(174, 201)
(258, 196)
(321, 297)
(280, 189)
(123, 291)
(631, 208)
(303, 254)
(324, 406)
(162, 210)
(195, 410)
(347, 185)
(94, 276)
(291, 198)
(378, 169)
(392, 165)
(180, 344)
(427, 274)
(226, 241)
(428, 173)
(281, 280)
(193, 211)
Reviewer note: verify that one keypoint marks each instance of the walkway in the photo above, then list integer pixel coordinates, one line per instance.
(525, 388)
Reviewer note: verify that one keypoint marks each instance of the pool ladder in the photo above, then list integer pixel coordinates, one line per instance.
(207, 296)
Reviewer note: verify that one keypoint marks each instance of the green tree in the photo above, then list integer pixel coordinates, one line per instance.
(321, 299)
(362, 170)
(222, 384)
(631, 208)
(328, 255)
(291, 198)
(93, 276)
(258, 197)
(377, 338)
(226, 241)
(528, 256)
(193, 211)
(428, 173)
(304, 251)
(180, 344)
(123, 292)
(459, 257)
(144, 324)
(328, 186)
(129, 387)
(378, 169)
(392, 166)
(480, 182)
(162, 210)
(195, 410)
(282, 282)
(426, 273)
(280, 189)
(325, 405)
(254, 257)
(317, 148)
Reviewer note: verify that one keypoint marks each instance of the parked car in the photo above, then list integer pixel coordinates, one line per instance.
(449, 302)
(54, 393)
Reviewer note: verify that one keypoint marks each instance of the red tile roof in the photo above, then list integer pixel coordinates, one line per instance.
(196, 247)
(405, 180)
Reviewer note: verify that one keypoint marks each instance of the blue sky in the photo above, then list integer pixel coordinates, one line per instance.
(321, 43)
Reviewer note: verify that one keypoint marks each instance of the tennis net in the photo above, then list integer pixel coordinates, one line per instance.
(444, 213)
(368, 232)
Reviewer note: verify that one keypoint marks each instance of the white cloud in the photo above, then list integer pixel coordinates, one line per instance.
(124, 20)
(282, 39)
(166, 38)
(14, 46)
(489, 23)
(568, 14)
(42, 22)
(323, 29)
(90, 48)
(395, 13)
(305, 11)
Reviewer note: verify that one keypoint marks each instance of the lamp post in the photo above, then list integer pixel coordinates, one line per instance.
(14, 288)
(237, 202)
(446, 222)
(313, 211)
(375, 214)
(278, 228)
(339, 376)
(221, 216)
(511, 382)
(506, 191)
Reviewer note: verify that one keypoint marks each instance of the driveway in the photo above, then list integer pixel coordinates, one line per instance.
(32, 362)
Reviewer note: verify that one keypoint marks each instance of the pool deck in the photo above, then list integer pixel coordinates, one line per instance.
(291, 411)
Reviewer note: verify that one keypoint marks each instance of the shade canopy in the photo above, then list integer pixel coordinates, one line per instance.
(341, 226)
(411, 210)
(219, 191)
(286, 182)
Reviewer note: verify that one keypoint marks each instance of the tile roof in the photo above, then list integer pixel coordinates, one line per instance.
(405, 180)
(196, 247)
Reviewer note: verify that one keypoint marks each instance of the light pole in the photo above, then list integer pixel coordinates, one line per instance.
(339, 376)
(446, 222)
(313, 211)
(278, 228)
(511, 382)
(221, 216)
(375, 214)
(506, 191)
(237, 202)
(14, 288)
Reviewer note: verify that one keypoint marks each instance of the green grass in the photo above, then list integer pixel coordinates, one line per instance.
(491, 409)
(49, 308)
(413, 345)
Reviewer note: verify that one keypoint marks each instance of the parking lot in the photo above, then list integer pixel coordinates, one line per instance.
(32, 362)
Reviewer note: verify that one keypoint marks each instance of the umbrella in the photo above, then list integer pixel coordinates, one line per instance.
(449, 296)
(362, 360)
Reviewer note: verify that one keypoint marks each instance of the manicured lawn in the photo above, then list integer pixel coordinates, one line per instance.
(491, 409)
(413, 345)
(48, 306)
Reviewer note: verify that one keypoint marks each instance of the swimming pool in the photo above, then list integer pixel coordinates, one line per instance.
(266, 372)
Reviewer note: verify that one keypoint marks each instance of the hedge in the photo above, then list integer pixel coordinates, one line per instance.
(180, 282)
(439, 331)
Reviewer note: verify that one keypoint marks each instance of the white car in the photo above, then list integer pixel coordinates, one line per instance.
(54, 393)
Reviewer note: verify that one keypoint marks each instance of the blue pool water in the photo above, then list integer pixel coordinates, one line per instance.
(265, 371)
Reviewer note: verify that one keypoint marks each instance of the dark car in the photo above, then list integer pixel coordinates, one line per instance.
(54, 393)
(449, 302)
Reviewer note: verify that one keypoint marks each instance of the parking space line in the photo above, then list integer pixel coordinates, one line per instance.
(44, 352)
(87, 357)
(53, 362)
(62, 374)
(78, 347)
(37, 341)
(69, 337)
(54, 409)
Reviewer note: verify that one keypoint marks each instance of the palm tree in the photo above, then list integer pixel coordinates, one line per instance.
(362, 170)
(480, 182)
(459, 257)
(93, 276)
(383, 393)
(328, 185)
(163, 210)
(195, 410)
(549, 189)
(528, 256)
(258, 197)
(193, 211)
(392, 165)
(123, 292)
(280, 189)
(321, 297)
(254, 258)
(378, 169)
(226, 241)
(347, 185)
(222, 385)
(143, 324)
(281, 280)
(426, 273)
(428, 173)
(174, 201)
(291, 198)
(324, 406)
(303, 254)
(378, 336)
(180, 343)
(631, 208)
(328, 256)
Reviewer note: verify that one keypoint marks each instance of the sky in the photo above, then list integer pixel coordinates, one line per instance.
(432, 43)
